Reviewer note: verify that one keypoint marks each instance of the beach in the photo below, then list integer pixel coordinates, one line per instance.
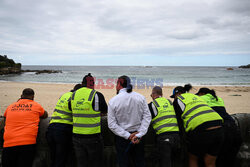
(236, 98)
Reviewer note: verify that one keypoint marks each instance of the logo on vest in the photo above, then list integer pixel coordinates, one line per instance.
(165, 105)
(61, 101)
(80, 102)
(195, 98)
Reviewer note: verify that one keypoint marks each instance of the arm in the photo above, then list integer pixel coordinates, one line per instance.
(103, 107)
(69, 104)
(178, 112)
(152, 110)
(45, 115)
(99, 103)
(113, 126)
(146, 119)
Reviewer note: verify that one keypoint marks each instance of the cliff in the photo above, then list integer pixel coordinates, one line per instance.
(8, 66)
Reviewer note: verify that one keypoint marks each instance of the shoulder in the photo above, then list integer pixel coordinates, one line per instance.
(138, 95)
(113, 99)
(150, 105)
(36, 104)
(99, 94)
(169, 101)
(12, 104)
(67, 94)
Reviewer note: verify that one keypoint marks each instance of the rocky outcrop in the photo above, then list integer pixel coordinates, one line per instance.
(246, 66)
(8, 66)
(42, 71)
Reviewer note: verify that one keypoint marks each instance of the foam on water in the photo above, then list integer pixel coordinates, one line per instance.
(169, 76)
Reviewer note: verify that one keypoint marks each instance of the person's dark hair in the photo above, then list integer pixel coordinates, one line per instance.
(125, 82)
(88, 80)
(158, 90)
(187, 88)
(212, 92)
(180, 89)
(206, 91)
(28, 92)
(76, 87)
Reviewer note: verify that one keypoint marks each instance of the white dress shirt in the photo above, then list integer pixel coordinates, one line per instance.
(128, 112)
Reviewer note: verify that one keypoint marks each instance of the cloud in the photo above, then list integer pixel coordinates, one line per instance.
(102, 28)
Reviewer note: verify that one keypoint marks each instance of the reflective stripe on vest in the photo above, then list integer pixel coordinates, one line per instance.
(61, 113)
(162, 118)
(85, 119)
(165, 120)
(57, 117)
(86, 125)
(166, 126)
(192, 109)
(196, 111)
(86, 115)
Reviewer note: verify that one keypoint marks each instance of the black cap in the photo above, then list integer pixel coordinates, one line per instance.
(203, 90)
(177, 90)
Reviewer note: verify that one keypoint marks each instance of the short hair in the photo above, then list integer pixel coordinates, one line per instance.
(158, 90)
(28, 92)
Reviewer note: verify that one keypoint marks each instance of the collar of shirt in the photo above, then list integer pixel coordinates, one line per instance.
(123, 90)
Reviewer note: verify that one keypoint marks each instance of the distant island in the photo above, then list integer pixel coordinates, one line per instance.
(246, 66)
(8, 66)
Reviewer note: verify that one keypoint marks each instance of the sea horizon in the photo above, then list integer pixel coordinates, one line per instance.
(164, 75)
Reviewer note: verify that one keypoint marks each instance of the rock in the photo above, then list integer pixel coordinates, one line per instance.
(8, 66)
(42, 71)
(9, 70)
(230, 69)
(48, 71)
(246, 66)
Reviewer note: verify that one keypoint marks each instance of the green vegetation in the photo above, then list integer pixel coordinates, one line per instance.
(8, 66)
(5, 62)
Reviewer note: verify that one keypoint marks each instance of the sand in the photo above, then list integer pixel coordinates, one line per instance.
(236, 98)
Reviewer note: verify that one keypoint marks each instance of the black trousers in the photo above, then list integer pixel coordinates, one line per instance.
(59, 137)
(88, 150)
(168, 145)
(18, 156)
(129, 154)
(231, 146)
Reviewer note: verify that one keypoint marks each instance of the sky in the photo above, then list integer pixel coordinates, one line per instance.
(131, 32)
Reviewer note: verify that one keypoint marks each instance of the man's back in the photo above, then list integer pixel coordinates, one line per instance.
(22, 119)
(128, 108)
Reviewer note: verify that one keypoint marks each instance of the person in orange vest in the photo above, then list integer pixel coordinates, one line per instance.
(21, 128)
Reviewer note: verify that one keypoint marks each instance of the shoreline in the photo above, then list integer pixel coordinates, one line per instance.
(164, 84)
(47, 94)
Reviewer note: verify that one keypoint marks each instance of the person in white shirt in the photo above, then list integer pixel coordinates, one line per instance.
(128, 118)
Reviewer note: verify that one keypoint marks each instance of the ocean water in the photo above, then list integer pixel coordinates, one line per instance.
(164, 75)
